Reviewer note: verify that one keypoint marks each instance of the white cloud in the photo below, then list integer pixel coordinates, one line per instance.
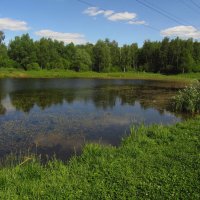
(137, 22)
(94, 11)
(123, 16)
(13, 25)
(76, 38)
(182, 31)
(108, 12)
(111, 15)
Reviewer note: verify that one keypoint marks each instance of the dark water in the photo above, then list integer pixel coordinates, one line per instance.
(58, 116)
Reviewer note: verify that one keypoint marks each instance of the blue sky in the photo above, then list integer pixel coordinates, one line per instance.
(126, 21)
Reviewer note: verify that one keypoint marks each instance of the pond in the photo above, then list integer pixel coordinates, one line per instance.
(58, 116)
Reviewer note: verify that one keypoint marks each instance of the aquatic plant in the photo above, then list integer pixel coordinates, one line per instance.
(187, 99)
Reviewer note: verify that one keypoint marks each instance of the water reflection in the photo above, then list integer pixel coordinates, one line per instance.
(2, 109)
(60, 115)
(103, 98)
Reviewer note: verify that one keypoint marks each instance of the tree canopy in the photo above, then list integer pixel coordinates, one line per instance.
(166, 56)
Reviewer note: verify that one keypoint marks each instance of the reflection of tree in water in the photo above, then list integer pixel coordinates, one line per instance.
(152, 97)
(148, 97)
(2, 109)
(102, 97)
(31, 131)
(25, 100)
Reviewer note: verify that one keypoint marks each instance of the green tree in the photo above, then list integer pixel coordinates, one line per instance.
(164, 49)
(82, 61)
(43, 55)
(134, 56)
(146, 55)
(114, 54)
(125, 58)
(186, 61)
(22, 50)
(196, 56)
(2, 37)
(5, 61)
(102, 58)
(70, 53)
(50, 54)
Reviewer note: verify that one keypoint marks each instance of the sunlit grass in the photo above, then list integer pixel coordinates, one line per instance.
(71, 74)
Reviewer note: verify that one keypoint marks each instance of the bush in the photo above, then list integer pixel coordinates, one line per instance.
(169, 69)
(33, 66)
(188, 99)
(115, 69)
(196, 68)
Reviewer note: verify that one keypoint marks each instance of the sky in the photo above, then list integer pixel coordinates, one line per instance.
(82, 21)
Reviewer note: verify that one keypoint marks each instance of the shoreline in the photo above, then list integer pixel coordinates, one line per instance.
(13, 73)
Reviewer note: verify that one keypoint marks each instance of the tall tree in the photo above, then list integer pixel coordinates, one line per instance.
(22, 50)
(125, 60)
(2, 37)
(102, 58)
(82, 61)
(164, 48)
(134, 56)
(114, 54)
(5, 61)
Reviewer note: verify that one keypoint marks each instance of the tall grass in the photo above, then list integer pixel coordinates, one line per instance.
(188, 99)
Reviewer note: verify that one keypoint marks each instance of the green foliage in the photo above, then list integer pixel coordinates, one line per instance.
(101, 56)
(5, 61)
(196, 68)
(166, 56)
(114, 53)
(152, 163)
(82, 61)
(115, 69)
(56, 64)
(33, 66)
(22, 50)
(2, 37)
(188, 99)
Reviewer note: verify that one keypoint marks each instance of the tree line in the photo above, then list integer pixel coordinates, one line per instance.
(166, 56)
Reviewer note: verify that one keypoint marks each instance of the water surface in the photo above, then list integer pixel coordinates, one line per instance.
(59, 116)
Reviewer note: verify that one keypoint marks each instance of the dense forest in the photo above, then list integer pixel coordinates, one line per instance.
(166, 56)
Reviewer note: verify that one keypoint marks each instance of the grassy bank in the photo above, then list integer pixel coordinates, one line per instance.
(152, 163)
(13, 73)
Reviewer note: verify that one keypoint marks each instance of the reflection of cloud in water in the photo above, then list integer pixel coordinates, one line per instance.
(60, 133)
(62, 145)
(7, 104)
(52, 139)
(109, 119)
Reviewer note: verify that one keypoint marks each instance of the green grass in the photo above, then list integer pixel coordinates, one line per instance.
(157, 162)
(13, 73)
